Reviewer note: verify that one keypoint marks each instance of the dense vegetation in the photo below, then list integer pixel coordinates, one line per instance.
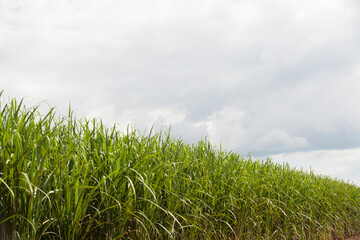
(62, 178)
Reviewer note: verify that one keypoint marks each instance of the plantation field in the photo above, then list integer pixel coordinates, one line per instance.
(63, 178)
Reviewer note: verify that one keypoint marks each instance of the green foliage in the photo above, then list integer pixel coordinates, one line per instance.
(62, 178)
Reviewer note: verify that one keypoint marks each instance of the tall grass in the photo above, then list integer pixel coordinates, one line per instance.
(63, 178)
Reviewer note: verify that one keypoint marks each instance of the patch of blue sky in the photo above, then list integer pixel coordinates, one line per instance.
(16, 9)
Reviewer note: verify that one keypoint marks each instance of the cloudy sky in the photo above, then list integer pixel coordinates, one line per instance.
(277, 79)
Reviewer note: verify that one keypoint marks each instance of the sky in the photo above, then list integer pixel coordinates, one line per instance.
(276, 79)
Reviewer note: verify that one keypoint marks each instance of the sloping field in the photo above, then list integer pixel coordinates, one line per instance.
(62, 178)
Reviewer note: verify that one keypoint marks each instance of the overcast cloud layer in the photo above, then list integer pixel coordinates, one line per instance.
(272, 78)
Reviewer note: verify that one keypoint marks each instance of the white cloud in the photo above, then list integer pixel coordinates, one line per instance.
(166, 116)
(341, 164)
(263, 77)
(280, 140)
(226, 126)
